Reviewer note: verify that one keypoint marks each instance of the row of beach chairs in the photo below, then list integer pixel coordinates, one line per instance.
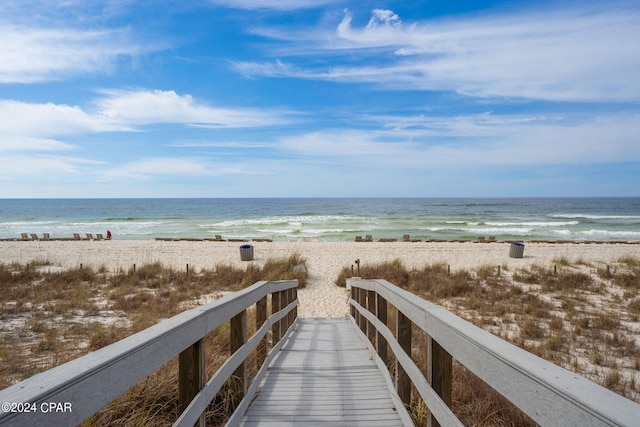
(490, 239)
(216, 238)
(27, 237)
(369, 238)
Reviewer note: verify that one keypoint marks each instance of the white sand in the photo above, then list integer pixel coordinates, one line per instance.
(321, 298)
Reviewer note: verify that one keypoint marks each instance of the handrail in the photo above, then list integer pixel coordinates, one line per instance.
(91, 382)
(547, 393)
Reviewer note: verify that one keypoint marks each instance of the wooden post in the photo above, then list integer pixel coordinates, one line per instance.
(261, 317)
(440, 369)
(275, 328)
(381, 342)
(191, 375)
(403, 335)
(362, 300)
(295, 298)
(237, 338)
(371, 306)
(356, 297)
(352, 309)
(283, 321)
(290, 317)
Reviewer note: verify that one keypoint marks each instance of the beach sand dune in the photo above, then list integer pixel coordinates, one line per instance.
(325, 260)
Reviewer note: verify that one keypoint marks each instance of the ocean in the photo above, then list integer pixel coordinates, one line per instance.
(328, 219)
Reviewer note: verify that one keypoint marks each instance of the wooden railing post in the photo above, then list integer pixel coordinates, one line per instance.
(191, 375)
(295, 298)
(290, 316)
(283, 321)
(371, 306)
(362, 300)
(381, 314)
(440, 370)
(275, 328)
(356, 298)
(261, 317)
(403, 335)
(237, 338)
(353, 297)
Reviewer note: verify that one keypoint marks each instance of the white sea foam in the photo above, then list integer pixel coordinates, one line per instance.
(605, 234)
(533, 223)
(588, 216)
(518, 231)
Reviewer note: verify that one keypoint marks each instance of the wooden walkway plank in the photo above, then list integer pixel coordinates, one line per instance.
(324, 375)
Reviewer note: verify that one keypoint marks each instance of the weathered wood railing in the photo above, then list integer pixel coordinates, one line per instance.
(547, 393)
(85, 385)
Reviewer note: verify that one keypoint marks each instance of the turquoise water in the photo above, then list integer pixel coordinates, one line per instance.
(327, 219)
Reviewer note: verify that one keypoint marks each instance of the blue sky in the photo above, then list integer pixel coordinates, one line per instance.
(283, 98)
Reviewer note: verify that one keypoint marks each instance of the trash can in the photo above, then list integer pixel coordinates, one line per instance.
(516, 250)
(246, 253)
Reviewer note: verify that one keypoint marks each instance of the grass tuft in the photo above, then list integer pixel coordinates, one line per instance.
(93, 309)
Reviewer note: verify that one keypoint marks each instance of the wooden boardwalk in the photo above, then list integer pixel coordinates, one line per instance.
(324, 375)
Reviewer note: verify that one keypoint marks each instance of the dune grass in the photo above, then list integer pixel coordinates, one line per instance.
(581, 316)
(50, 317)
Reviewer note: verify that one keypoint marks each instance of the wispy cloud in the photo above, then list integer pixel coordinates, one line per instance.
(152, 168)
(43, 168)
(45, 41)
(29, 54)
(31, 126)
(476, 140)
(570, 54)
(273, 4)
(50, 120)
(146, 107)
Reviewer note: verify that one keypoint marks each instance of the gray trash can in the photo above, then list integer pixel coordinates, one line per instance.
(516, 250)
(246, 253)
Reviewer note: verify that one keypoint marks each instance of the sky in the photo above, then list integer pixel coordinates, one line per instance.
(319, 98)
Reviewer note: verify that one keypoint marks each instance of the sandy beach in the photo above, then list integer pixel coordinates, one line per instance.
(321, 298)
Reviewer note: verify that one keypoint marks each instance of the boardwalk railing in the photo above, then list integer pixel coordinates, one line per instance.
(72, 392)
(547, 393)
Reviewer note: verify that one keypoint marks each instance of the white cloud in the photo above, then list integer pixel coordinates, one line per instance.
(147, 107)
(42, 168)
(33, 127)
(475, 140)
(152, 168)
(383, 17)
(273, 4)
(25, 143)
(574, 55)
(49, 120)
(29, 54)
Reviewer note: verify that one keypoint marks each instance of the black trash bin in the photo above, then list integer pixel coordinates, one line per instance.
(246, 253)
(516, 250)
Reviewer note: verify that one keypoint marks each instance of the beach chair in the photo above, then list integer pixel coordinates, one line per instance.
(358, 238)
(406, 238)
(99, 236)
(46, 236)
(492, 239)
(368, 238)
(34, 236)
(24, 236)
(481, 239)
(76, 236)
(89, 236)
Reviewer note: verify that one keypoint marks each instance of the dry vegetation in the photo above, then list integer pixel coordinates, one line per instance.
(50, 316)
(579, 315)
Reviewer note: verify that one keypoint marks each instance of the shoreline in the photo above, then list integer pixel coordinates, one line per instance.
(325, 260)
